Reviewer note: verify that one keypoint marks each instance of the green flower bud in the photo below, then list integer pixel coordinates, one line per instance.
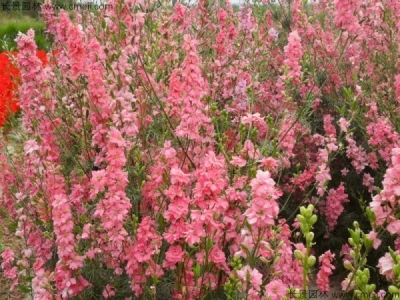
(213, 107)
(311, 261)
(348, 266)
(355, 237)
(298, 255)
(364, 261)
(368, 243)
(396, 270)
(393, 289)
(313, 219)
(358, 281)
(302, 210)
(264, 260)
(301, 219)
(310, 236)
(364, 279)
(371, 288)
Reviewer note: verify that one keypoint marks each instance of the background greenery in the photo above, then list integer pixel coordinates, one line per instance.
(11, 24)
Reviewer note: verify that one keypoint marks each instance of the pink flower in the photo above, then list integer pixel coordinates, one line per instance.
(385, 265)
(323, 175)
(276, 290)
(98, 182)
(86, 231)
(257, 121)
(179, 12)
(269, 163)
(116, 138)
(345, 252)
(264, 186)
(325, 271)
(30, 146)
(8, 257)
(273, 33)
(194, 232)
(109, 291)
(238, 161)
(374, 237)
(173, 256)
(344, 17)
(253, 275)
(394, 227)
(177, 176)
(343, 124)
(333, 206)
(293, 53)
(329, 129)
(217, 256)
(348, 283)
(177, 209)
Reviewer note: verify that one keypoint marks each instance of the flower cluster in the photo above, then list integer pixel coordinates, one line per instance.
(325, 271)
(166, 152)
(9, 77)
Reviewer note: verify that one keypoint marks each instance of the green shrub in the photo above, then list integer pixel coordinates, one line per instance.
(9, 28)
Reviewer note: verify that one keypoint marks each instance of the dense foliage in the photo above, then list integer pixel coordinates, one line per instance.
(206, 153)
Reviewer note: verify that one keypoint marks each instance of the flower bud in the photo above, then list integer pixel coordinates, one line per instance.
(264, 260)
(298, 255)
(301, 219)
(393, 289)
(302, 210)
(348, 266)
(355, 237)
(366, 272)
(358, 281)
(371, 288)
(396, 270)
(311, 261)
(364, 279)
(310, 236)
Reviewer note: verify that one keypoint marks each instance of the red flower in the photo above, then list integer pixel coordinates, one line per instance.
(9, 74)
